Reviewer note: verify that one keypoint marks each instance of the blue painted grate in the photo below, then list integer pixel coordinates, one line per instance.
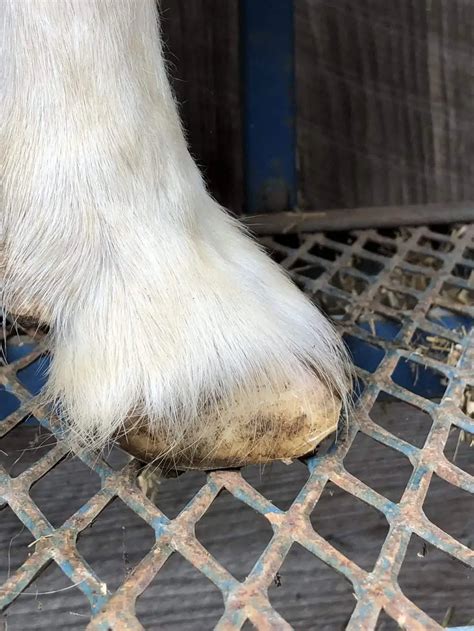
(404, 302)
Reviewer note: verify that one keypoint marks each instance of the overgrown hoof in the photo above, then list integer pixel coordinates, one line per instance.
(286, 429)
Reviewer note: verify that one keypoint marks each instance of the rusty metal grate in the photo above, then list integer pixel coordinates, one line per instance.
(404, 302)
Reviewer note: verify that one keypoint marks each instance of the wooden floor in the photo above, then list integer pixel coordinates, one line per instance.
(306, 592)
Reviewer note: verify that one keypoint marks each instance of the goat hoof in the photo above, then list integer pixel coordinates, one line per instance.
(283, 431)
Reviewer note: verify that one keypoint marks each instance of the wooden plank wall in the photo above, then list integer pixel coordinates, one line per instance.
(384, 98)
(202, 49)
(385, 101)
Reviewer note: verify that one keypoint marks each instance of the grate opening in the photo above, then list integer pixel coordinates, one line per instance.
(293, 590)
(398, 234)
(323, 252)
(396, 299)
(422, 380)
(171, 596)
(457, 295)
(350, 525)
(379, 325)
(247, 531)
(440, 348)
(34, 376)
(300, 283)
(452, 509)
(363, 354)
(171, 495)
(469, 254)
(302, 268)
(50, 598)
(382, 249)
(277, 481)
(366, 266)
(24, 445)
(459, 449)
(14, 541)
(443, 228)
(277, 255)
(345, 281)
(468, 401)
(389, 471)
(401, 419)
(64, 489)
(289, 240)
(424, 260)
(333, 307)
(451, 319)
(436, 244)
(465, 272)
(8, 403)
(437, 583)
(115, 457)
(346, 238)
(115, 542)
(409, 280)
(18, 346)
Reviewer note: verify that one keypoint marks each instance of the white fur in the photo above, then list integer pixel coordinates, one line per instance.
(159, 303)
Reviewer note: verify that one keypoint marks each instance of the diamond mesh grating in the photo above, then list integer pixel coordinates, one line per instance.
(404, 302)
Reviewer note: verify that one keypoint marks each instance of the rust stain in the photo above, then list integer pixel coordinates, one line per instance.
(377, 590)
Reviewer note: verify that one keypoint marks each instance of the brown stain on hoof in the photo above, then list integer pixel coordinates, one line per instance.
(232, 444)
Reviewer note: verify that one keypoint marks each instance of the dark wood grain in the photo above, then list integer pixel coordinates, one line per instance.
(384, 95)
(202, 49)
(306, 592)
